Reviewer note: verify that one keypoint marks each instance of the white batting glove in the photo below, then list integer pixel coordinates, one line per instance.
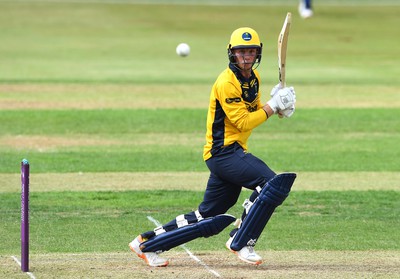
(275, 89)
(283, 99)
(287, 112)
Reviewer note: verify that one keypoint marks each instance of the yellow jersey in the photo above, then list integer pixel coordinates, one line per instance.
(235, 109)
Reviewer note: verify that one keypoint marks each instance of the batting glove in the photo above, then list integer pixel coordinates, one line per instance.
(283, 99)
(275, 89)
(287, 112)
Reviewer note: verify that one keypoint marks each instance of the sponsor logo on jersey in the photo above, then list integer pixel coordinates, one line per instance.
(231, 100)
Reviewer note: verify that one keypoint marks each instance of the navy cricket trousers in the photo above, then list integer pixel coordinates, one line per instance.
(231, 169)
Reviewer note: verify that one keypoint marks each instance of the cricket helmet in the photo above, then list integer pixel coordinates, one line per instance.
(244, 37)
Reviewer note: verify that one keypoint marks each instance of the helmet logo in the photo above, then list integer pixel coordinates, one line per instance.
(246, 36)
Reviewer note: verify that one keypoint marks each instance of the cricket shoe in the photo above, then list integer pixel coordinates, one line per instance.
(304, 11)
(151, 258)
(246, 254)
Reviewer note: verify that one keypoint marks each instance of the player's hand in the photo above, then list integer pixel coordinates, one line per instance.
(283, 99)
(287, 112)
(275, 89)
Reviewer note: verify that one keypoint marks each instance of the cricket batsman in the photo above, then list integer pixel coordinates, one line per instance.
(235, 109)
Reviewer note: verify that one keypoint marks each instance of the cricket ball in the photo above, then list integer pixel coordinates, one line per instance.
(183, 49)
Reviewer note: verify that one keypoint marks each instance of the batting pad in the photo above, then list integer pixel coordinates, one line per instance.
(204, 228)
(271, 196)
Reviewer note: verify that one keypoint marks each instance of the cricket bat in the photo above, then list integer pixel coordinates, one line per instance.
(282, 49)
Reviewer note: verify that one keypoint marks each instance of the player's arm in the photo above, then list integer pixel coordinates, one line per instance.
(268, 110)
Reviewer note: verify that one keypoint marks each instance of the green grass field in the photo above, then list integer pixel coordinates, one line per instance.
(112, 122)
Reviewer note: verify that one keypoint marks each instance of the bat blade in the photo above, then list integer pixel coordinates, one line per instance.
(282, 48)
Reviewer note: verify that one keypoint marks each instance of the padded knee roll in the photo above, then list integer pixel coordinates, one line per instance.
(271, 196)
(204, 228)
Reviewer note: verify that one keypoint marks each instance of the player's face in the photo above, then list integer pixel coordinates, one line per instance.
(245, 57)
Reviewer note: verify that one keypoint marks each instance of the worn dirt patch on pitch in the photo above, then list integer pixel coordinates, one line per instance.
(277, 264)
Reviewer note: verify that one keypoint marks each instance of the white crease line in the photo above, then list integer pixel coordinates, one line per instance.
(30, 274)
(188, 251)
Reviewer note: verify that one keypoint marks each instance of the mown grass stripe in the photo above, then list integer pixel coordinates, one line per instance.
(123, 121)
(190, 181)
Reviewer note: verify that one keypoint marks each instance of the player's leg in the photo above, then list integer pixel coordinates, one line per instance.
(219, 196)
(204, 222)
(259, 212)
(152, 257)
(257, 175)
(175, 233)
(250, 172)
(179, 221)
(244, 169)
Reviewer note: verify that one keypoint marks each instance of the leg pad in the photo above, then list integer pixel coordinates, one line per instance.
(204, 228)
(271, 196)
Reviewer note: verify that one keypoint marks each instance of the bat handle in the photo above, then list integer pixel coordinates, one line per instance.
(282, 78)
(283, 84)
